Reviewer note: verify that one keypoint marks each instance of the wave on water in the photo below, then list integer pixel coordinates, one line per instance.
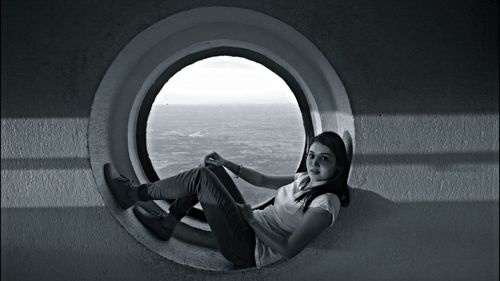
(196, 135)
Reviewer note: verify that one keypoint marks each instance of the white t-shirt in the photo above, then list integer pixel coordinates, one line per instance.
(285, 215)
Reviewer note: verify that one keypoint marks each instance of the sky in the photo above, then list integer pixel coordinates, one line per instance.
(225, 80)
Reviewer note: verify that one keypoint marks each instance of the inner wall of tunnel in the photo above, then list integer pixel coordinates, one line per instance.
(158, 51)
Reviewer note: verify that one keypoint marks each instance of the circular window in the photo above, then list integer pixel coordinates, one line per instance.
(125, 101)
(231, 105)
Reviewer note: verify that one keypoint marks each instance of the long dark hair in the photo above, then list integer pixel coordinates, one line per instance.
(338, 184)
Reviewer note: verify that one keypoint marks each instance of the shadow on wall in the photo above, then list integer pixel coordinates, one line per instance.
(413, 241)
(373, 237)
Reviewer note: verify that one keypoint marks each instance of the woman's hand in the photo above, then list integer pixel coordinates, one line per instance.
(246, 211)
(214, 158)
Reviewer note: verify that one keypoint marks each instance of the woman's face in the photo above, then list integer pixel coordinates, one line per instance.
(321, 163)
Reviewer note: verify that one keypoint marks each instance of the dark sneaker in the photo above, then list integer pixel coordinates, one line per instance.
(158, 222)
(120, 186)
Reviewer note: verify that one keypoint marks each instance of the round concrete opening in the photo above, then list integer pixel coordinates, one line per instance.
(158, 52)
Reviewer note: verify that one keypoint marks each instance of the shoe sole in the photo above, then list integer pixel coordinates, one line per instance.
(121, 198)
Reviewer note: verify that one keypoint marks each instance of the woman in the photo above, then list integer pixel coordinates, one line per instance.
(305, 203)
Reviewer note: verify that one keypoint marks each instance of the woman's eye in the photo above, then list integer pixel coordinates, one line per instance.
(311, 156)
(324, 158)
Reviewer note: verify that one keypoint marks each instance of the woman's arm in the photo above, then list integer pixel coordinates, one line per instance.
(315, 220)
(249, 175)
(257, 178)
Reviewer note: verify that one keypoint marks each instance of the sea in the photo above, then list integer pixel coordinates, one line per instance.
(266, 137)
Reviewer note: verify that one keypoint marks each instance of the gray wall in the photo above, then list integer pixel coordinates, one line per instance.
(422, 78)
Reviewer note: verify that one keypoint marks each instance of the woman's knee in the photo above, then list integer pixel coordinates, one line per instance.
(204, 174)
(197, 172)
(214, 168)
(203, 171)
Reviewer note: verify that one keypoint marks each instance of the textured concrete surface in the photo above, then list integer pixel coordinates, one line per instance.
(375, 240)
(422, 79)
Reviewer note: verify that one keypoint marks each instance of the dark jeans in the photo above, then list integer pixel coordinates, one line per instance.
(218, 195)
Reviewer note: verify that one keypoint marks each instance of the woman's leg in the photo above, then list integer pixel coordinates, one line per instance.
(228, 183)
(235, 239)
(181, 206)
(162, 225)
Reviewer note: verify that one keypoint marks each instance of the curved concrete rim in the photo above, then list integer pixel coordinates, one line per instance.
(119, 96)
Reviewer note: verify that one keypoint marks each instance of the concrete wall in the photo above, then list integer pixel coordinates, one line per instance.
(422, 78)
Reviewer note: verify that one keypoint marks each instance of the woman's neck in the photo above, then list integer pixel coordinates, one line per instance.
(312, 184)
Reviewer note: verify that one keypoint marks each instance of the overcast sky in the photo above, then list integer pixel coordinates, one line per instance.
(225, 80)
